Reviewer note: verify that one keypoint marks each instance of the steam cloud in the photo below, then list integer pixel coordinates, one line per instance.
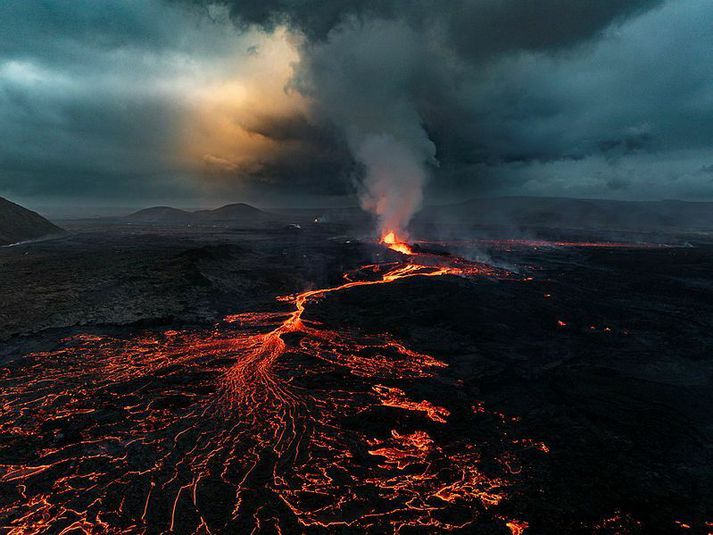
(393, 185)
(362, 78)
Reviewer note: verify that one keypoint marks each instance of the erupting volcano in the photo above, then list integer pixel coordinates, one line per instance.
(474, 295)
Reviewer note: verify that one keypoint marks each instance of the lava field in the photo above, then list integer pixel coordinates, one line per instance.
(321, 384)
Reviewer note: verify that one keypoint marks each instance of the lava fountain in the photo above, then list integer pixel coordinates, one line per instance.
(395, 243)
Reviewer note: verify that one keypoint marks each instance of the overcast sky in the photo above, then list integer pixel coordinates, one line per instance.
(140, 102)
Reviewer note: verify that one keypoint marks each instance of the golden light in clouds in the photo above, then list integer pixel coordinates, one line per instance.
(218, 137)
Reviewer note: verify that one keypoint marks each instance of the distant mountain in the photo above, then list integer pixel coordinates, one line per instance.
(20, 224)
(510, 212)
(554, 212)
(163, 214)
(233, 212)
(239, 214)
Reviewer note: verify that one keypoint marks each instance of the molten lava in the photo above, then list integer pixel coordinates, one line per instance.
(263, 423)
(394, 243)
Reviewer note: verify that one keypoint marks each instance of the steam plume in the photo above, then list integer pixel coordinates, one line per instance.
(363, 78)
(393, 186)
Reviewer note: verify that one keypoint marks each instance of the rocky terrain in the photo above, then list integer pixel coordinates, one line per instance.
(572, 394)
(120, 274)
(594, 214)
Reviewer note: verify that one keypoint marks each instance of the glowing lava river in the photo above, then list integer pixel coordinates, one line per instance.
(267, 423)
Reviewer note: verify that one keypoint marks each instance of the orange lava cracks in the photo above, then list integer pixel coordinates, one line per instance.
(395, 397)
(517, 528)
(265, 422)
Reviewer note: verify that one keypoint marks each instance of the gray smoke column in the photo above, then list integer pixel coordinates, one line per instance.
(393, 186)
(362, 79)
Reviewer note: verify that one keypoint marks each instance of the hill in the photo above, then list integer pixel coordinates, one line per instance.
(239, 213)
(164, 214)
(234, 212)
(20, 224)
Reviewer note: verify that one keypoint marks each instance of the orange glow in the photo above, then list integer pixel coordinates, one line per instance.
(395, 397)
(224, 132)
(517, 527)
(396, 244)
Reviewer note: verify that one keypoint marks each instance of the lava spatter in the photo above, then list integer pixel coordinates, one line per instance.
(188, 431)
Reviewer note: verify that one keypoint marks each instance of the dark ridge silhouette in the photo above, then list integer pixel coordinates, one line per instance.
(229, 212)
(160, 214)
(20, 224)
(238, 213)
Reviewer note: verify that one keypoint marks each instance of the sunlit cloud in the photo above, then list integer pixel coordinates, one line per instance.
(221, 131)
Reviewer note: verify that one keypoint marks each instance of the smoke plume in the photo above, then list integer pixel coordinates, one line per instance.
(365, 79)
(393, 186)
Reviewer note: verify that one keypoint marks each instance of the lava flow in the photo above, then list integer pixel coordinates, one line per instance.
(269, 422)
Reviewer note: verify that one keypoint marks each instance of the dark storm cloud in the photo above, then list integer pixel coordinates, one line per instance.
(580, 97)
(507, 89)
(314, 18)
(92, 94)
(484, 29)
(478, 29)
(633, 106)
(311, 157)
(68, 125)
